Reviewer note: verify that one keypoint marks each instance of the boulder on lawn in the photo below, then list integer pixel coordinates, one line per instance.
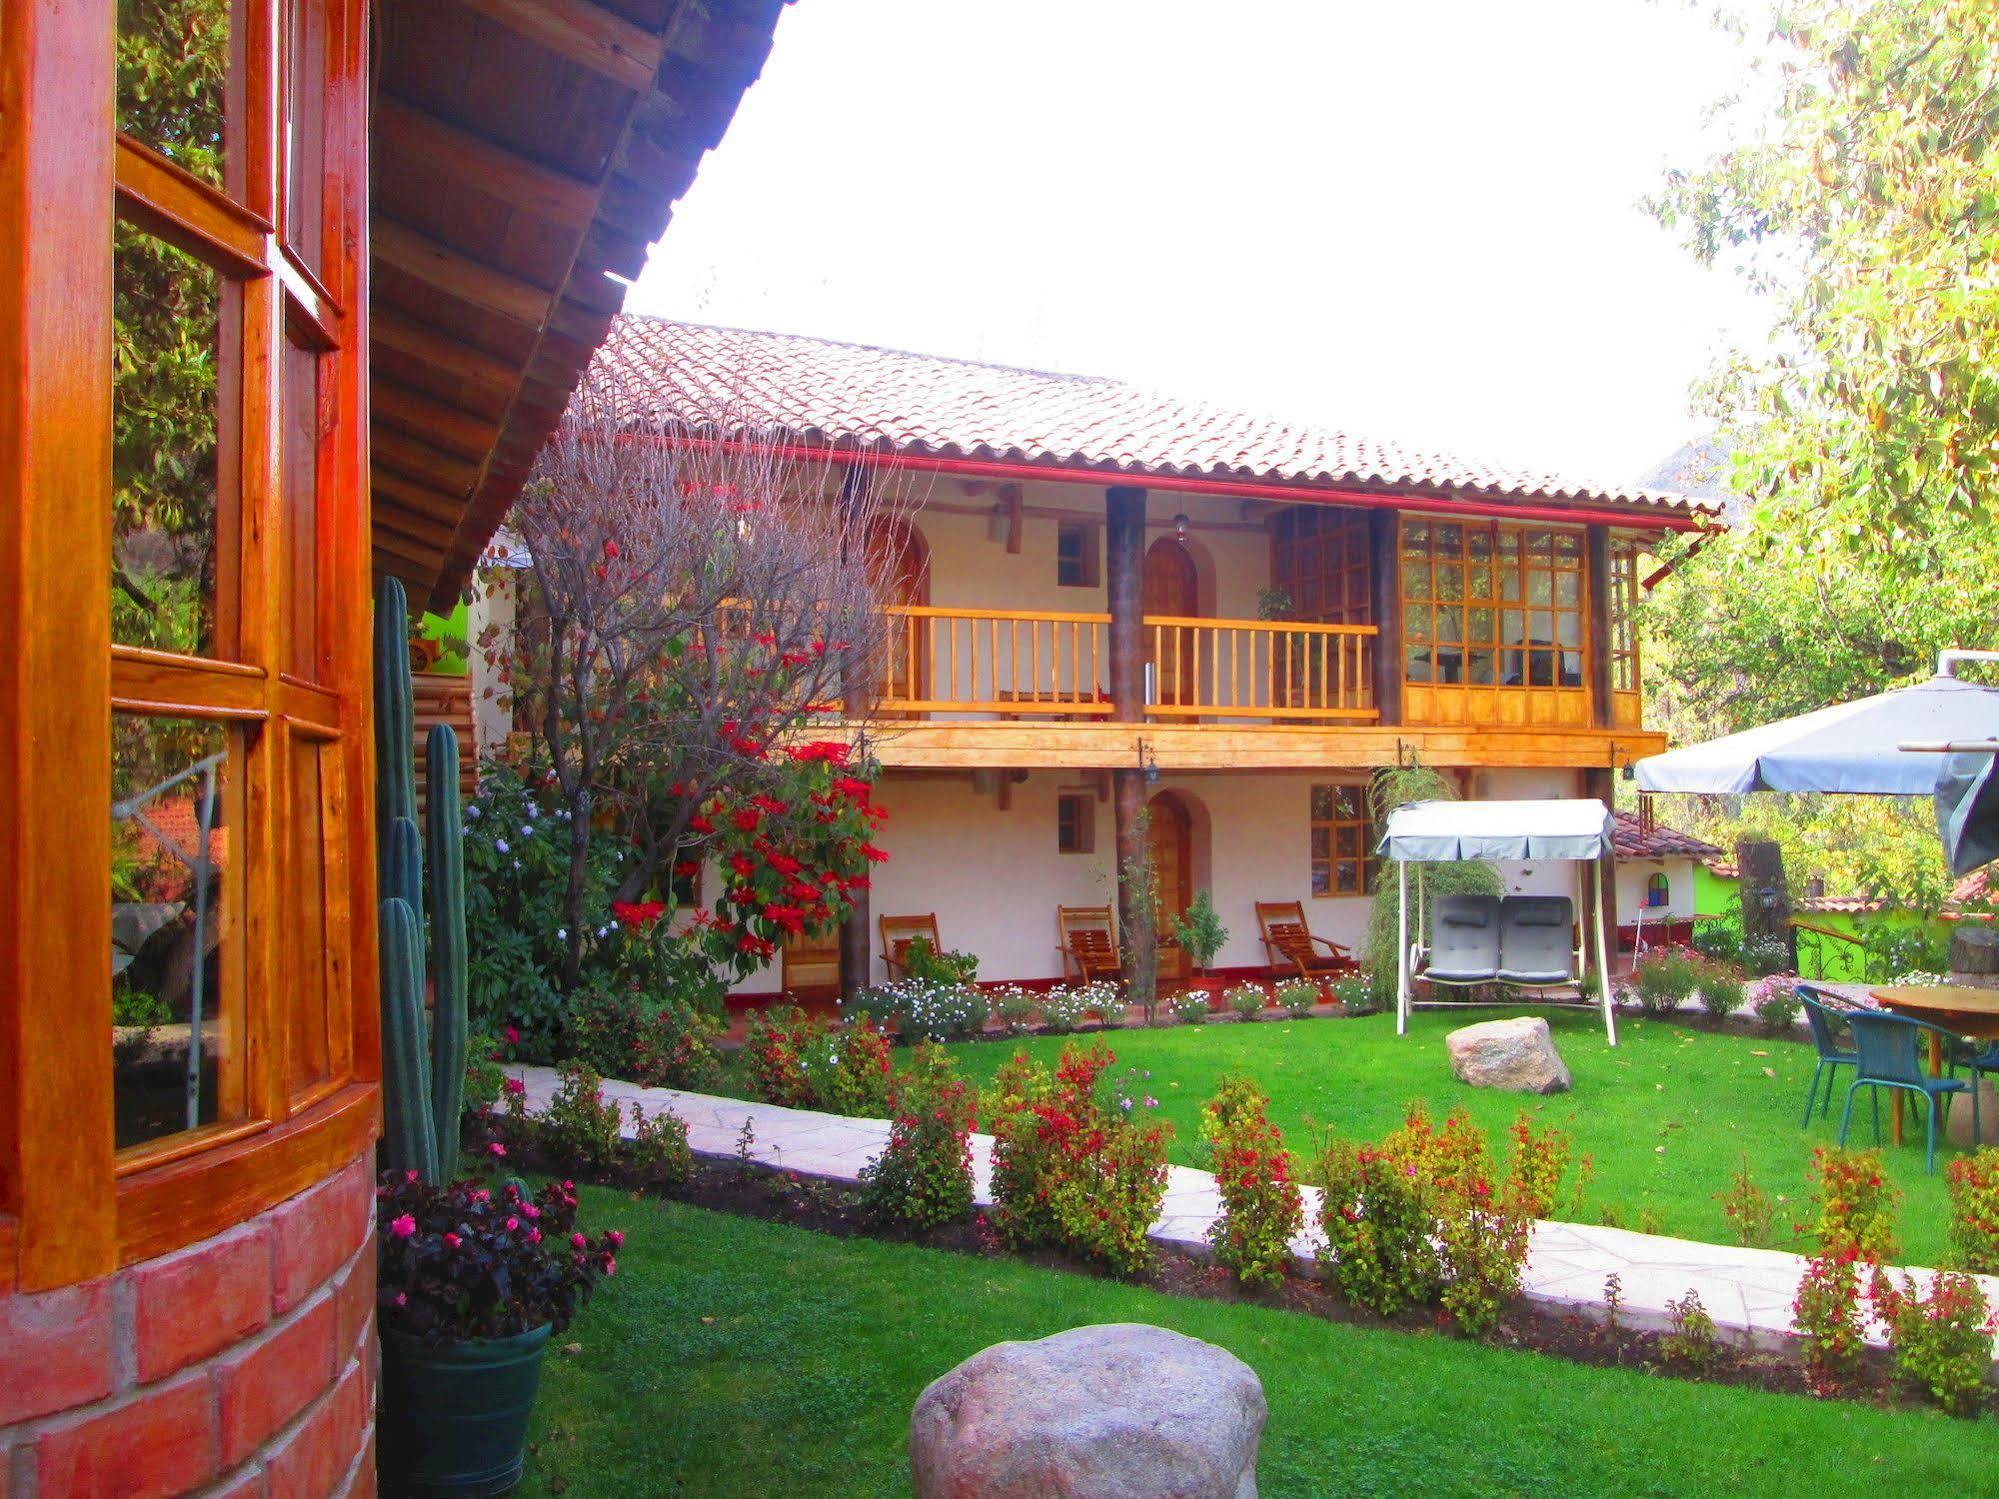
(1516, 1056)
(1115, 1411)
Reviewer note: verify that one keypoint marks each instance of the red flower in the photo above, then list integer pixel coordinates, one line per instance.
(747, 819)
(699, 824)
(637, 916)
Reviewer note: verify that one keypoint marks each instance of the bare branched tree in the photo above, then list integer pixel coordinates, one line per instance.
(697, 602)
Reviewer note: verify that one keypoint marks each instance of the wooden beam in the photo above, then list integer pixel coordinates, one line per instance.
(403, 129)
(418, 460)
(423, 415)
(414, 497)
(436, 265)
(1596, 625)
(388, 543)
(441, 351)
(605, 43)
(414, 527)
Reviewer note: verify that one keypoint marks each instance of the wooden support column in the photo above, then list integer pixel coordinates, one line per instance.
(1384, 575)
(1600, 783)
(1124, 576)
(858, 684)
(1602, 713)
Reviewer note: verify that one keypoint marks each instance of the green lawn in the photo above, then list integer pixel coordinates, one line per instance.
(1667, 1114)
(730, 1357)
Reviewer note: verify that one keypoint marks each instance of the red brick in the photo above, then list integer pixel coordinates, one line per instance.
(55, 1350)
(265, 1385)
(316, 1457)
(317, 1231)
(202, 1299)
(161, 1441)
(355, 1296)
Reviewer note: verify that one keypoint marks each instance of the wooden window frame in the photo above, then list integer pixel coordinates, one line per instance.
(70, 1207)
(1089, 557)
(1085, 819)
(1623, 642)
(1369, 861)
(1311, 546)
(1525, 563)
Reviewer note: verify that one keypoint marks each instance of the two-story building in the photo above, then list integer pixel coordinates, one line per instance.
(1129, 623)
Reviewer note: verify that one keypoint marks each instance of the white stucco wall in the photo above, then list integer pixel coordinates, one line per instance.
(1631, 878)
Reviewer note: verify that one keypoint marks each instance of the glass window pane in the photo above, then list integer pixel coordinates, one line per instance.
(173, 469)
(1569, 590)
(1450, 583)
(1322, 803)
(1481, 668)
(177, 90)
(1346, 801)
(1347, 877)
(176, 1019)
(1322, 877)
(1416, 579)
(1321, 842)
(299, 393)
(305, 130)
(1540, 588)
(1417, 668)
(1416, 622)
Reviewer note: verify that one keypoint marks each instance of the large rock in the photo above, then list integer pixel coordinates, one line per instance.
(1517, 1056)
(1115, 1411)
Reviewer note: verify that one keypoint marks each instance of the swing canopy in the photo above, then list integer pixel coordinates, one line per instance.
(1438, 832)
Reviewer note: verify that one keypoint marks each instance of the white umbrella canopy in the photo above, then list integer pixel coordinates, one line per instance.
(1851, 747)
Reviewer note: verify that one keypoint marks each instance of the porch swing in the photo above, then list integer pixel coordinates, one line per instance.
(1520, 942)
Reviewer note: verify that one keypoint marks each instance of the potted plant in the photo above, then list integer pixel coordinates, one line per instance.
(472, 1281)
(1201, 935)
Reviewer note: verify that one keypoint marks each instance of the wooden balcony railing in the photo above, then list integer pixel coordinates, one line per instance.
(1041, 662)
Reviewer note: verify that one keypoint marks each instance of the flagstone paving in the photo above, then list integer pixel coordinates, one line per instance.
(1748, 1292)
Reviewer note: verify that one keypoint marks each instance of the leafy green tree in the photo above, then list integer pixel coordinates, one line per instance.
(1860, 194)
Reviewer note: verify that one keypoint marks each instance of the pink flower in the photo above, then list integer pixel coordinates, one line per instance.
(402, 1299)
(534, 1236)
(496, 1148)
(515, 1086)
(409, 1176)
(610, 1265)
(402, 1227)
(577, 1241)
(452, 1241)
(532, 1211)
(512, 1224)
(513, 1035)
(615, 1239)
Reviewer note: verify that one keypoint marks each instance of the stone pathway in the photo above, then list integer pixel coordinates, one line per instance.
(1748, 1292)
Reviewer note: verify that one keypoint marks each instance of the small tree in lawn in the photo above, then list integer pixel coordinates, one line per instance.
(1140, 882)
(696, 606)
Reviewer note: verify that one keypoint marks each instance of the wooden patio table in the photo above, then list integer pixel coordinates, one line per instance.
(1955, 1007)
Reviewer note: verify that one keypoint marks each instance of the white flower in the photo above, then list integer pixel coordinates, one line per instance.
(501, 845)
(562, 934)
(517, 863)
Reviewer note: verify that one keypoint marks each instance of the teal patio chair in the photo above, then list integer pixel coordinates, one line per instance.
(1888, 1056)
(1823, 1013)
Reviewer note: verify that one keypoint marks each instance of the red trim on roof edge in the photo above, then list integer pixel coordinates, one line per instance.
(987, 468)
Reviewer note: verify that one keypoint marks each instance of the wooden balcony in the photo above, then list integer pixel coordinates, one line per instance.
(1046, 664)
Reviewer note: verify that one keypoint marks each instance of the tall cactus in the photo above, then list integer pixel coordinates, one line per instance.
(447, 940)
(423, 1075)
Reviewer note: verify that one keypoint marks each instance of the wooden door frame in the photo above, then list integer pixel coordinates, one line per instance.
(1185, 680)
(1184, 815)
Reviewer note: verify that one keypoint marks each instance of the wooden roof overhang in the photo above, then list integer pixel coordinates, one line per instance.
(526, 155)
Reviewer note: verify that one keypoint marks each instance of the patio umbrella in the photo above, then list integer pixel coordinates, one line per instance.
(1851, 747)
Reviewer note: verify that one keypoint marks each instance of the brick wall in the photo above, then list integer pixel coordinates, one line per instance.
(241, 1365)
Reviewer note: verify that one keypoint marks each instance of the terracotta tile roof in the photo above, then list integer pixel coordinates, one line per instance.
(1629, 841)
(1722, 869)
(1975, 889)
(1839, 905)
(731, 381)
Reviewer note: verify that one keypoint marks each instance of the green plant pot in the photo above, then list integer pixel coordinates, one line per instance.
(454, 1419)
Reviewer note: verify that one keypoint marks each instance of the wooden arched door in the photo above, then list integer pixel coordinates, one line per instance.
(905, 557)
(1170, 834)
(1172, 590)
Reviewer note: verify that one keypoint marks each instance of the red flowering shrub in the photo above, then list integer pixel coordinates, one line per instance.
(657, 1043)
(1856, 1235)
(1974, 1211)
(1262, 1207)
(1418, 1219)
(923, 1177)
(1942, 1340)
(466, 1260)
(861, 1081)
(1072, 1168)
(776, 1052)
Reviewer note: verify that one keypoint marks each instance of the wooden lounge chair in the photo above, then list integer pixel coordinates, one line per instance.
(1089, 942)
(1289, 944)
(898, 932)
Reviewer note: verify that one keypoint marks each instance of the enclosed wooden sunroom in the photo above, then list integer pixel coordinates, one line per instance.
(290, 293)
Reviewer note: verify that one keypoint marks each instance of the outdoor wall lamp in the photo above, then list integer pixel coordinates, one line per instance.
(1180, 527)
(1147, 765)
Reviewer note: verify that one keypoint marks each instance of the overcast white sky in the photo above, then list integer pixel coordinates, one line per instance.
(1413, 220)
